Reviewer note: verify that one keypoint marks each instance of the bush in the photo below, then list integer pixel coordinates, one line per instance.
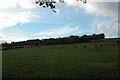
(75, 46)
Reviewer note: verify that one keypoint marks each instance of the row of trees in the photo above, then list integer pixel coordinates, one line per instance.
(53, 41)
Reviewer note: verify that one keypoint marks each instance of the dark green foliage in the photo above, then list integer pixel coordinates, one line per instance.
(51, 3)
(118, 41)
(85, 38)
(46, 4)
(54, 41)
(75, 46)
(99, 36)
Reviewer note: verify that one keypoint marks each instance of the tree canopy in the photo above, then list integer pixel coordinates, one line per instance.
(48, 4)
(51, 3)
(54, 41)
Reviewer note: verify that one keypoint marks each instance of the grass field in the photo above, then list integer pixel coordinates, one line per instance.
(62, 61)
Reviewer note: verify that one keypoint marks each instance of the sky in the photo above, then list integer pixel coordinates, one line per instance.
(22, 19)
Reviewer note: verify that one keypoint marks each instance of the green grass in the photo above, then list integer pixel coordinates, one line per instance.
(67, 62)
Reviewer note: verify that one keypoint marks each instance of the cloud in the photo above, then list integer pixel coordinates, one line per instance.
(1, 36)
(103, 0)
(109, 28)
(13, 12)
(14, 38)
(104, 9)
(11, 19)
(7, 3)
(60, 31)
(99, 8)
(26, 4)
(21, 35)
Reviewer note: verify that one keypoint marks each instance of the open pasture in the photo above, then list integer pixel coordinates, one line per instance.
(96, 60)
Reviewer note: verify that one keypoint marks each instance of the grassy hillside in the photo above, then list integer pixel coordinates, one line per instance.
(63, 61)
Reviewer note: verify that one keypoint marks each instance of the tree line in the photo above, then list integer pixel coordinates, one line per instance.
(53, 41)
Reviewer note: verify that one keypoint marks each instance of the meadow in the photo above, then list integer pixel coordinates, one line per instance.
(82, 60)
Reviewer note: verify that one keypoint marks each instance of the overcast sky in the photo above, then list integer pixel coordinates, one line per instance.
(23, 19)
